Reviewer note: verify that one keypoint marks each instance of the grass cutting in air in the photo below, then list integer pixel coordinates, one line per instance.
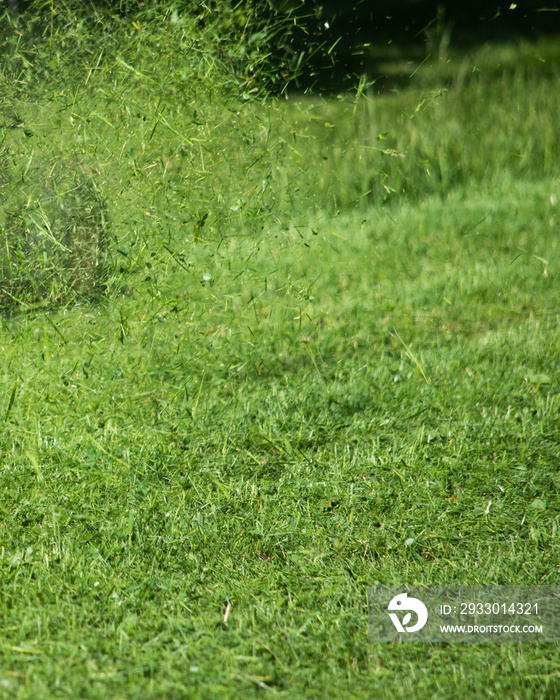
(259, 354)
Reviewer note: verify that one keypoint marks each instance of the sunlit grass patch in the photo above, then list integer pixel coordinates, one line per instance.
(378, 148)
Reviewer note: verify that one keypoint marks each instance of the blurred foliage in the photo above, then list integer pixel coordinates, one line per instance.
(166, 110)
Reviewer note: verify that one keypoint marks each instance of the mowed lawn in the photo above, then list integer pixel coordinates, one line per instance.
(202, 475)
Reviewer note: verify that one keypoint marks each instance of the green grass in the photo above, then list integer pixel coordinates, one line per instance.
(273, 402)
(479, 119)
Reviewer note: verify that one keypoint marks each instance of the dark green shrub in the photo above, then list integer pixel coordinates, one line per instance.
(54, 231)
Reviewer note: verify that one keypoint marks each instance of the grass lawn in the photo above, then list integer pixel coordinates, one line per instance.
(303, 393)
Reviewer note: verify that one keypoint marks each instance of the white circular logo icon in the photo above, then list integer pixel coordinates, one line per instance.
(402, 603)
